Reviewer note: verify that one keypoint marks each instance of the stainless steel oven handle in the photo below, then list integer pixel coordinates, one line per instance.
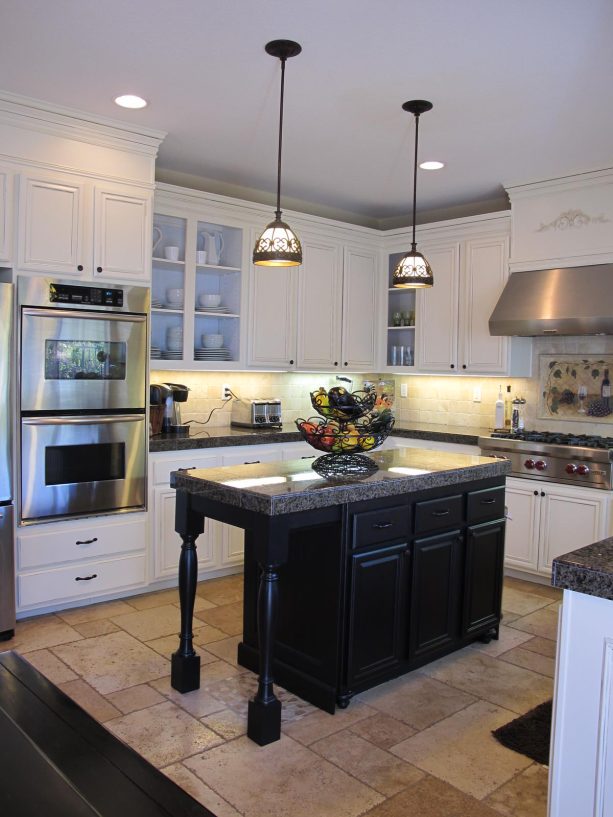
(83, 421)
(130, 317)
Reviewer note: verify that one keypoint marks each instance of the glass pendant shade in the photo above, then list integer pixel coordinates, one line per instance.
(278, 246)
(413, 271)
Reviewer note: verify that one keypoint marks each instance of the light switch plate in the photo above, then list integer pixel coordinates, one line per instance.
(404, 390)
(477, 394)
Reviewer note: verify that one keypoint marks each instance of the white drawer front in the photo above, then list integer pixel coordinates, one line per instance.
(163, 468)
(96, 539)
(73, 582)
(251, 454)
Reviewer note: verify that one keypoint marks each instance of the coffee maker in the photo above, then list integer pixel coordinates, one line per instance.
(176, 394)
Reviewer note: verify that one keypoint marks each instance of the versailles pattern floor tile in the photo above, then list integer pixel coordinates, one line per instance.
(418, 745)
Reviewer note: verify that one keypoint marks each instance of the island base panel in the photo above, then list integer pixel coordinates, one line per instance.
(185, 672)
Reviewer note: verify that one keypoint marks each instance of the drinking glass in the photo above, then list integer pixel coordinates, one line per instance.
(582, 394)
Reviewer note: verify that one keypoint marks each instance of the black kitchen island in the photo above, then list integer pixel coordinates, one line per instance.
(349, 580)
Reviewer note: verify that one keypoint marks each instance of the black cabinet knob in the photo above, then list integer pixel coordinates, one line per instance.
(98, 269)
(291, 363)
(452, 366)
(336, 362)
(542, 493)
(345, 363)
(80, 268)
(463, 365)
(536, 493)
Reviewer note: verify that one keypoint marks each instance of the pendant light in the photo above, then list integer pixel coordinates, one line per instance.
(413, 270)
(279, 246)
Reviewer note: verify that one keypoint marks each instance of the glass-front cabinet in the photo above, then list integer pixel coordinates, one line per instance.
(196, 290)
(400, 332)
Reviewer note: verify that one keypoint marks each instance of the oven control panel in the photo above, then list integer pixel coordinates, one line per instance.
(91, 296)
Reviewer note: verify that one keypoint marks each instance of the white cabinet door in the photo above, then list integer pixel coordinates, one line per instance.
(522, 527)
(6, 213)
(570, 518)
(168, 542)
(51, 228)
(122, 233)
(273, 317)
(437, 310)
(320, 293)
(483, 276)
(360, 326)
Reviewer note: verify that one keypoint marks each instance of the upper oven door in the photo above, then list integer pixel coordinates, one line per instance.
(82, 360)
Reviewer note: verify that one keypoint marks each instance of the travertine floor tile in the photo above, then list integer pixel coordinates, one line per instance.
(199, 604)
(507, 639)
(542, 622)
(39, 633)
(227, 723)
(226, 590)
(521, 602)
(170, 643)
(153, 622)
(205, 634)
(225, 649)
(492, 680)
(112, 662)
(431, 797)
(263, 780)
(319, 724)
(94, 612)
(138, 697)
(524, 795)
(553, 593)
(199, 702)
(50, 666)
(228, 618)
(382, 730)
(199, 790)
(146, 601)
(164, 733)
(377, 768)
(416, 699)
(102, 626)
(531, 660)
(544, 646)
(461, 750)
(90, 700)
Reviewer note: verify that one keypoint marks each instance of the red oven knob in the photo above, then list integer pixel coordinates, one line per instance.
(571, 468)
(583, 470)
(529, 464)
(540, 465)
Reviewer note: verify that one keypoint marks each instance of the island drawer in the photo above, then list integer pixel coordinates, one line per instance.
(380, 525)
(438, 514)
(484, 505)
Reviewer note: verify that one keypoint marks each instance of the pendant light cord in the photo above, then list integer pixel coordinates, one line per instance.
(278, 211)
(414, 245)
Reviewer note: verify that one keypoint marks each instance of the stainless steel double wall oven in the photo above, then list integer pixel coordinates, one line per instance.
(82, 398)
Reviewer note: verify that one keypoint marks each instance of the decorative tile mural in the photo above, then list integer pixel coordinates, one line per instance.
(574, 387)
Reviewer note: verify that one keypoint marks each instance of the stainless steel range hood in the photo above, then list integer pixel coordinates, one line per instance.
(569, 301)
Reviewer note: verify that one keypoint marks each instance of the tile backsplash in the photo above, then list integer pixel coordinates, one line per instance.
(440, 400)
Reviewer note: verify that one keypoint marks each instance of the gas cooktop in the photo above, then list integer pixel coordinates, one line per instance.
(556, 438)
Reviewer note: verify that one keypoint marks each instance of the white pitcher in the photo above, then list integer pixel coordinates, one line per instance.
(213, 244)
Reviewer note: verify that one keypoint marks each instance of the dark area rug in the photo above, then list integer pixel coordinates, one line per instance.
(529, 734)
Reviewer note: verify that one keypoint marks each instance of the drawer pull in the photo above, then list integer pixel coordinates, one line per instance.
(251, 462)
(86, 541)
(86, 578)
(308, 457)
(441, 513)
(191, 468)
(382, 525)
(488, 501)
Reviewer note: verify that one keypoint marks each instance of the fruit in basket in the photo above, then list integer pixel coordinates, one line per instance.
(366, 442)
(340, 398)
(320, 399)
(327, 436)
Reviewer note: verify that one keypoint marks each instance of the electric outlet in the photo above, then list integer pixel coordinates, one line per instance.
(404, 390)
(225, 392)
(477, 394)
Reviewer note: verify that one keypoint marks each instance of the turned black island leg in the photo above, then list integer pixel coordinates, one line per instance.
(185, 664)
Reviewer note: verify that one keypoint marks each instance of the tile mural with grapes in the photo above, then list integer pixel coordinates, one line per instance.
(573, 387)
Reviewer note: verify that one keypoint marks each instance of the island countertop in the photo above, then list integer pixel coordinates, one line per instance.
(288, 487)
(586, 570)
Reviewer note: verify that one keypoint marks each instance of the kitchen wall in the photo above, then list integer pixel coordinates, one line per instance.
(446, 401)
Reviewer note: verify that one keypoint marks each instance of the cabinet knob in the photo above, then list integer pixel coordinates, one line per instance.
(98, 269)
(80, 268)
(452, 366)
(291, 363)
(336, 362)
(542, 493)
(345, 363)
(463, 365)
(536, 493)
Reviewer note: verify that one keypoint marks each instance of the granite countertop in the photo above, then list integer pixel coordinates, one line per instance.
(224, 436)
(291, 486)
(586, 570)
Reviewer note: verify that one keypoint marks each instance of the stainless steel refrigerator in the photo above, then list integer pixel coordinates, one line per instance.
(7, 546)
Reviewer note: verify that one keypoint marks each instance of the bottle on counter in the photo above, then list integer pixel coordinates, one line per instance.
(499, 410)
(508, 408)
(517, 416)
(605, 390)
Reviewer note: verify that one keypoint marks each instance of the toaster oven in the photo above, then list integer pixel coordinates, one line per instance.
(256, 413)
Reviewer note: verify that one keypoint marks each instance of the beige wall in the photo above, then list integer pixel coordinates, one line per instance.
(440, 400)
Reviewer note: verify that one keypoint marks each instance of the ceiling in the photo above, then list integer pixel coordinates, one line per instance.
(521, 91)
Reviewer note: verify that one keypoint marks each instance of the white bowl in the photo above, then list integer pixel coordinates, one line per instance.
(209, 300)
(212, 341)
(175, 296)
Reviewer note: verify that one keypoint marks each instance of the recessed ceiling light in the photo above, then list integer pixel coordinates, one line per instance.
(432, 165)
(130, 101)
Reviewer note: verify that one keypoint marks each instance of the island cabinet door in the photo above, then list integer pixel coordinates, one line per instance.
(434, 594)
(483, 577)
(377, 630)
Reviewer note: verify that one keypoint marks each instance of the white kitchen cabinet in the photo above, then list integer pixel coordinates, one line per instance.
(6, 215)
(437, 310)
(272, 308)
(548, 519)
(70, 225)
(360, 309)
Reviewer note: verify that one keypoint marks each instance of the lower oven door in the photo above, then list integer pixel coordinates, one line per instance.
(74, 466)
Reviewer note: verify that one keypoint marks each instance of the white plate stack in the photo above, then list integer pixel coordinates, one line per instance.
(213, 354)
(156, 352)
(174, 343)
(221, 310)
(156, 303)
